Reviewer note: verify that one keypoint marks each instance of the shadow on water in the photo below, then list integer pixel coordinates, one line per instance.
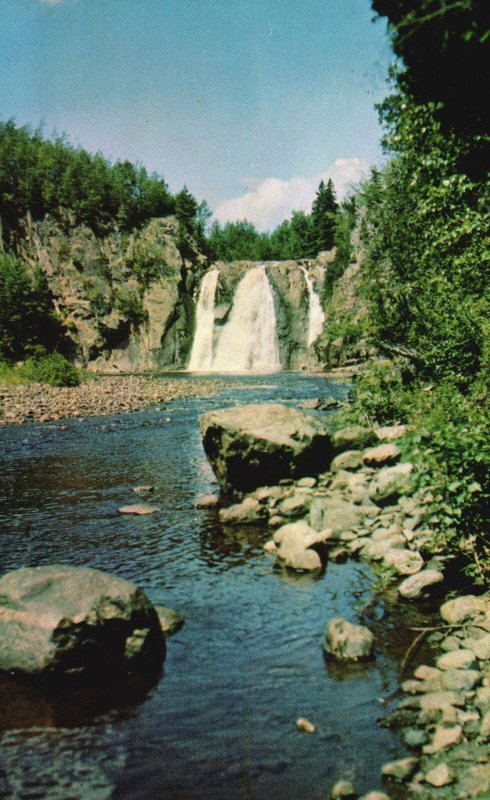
(220, 722)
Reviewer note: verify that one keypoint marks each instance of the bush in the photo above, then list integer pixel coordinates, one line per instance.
(53, 369)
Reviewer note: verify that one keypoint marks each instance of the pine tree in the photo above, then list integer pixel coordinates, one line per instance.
(323, 216)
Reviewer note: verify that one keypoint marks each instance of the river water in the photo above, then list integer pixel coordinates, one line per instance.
(220, 721)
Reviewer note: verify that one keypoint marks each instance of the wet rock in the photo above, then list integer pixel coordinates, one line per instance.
(208, 501)
(353, 438)
(404, 562)
(293, 542)
(256, 445)
(169, 619)
(457, 659)
(139, 508)
(439, 776)
(347, 641)
(306, 483)
(375, 796)
(450, 643)
(438, 701)
(444, 736)
(334, 513)
(400, 770)
(476, 781)
(71, 622)
(482, 699)
(296, 505)
(461, 609)
(383, 455)
(391, 482)
(343, 790)
(244, 513)
(350, 459)
(305, 725)
(146, 489)
(415, 585)
(377, 549)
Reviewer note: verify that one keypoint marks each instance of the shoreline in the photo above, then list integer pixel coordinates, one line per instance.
(102, 396)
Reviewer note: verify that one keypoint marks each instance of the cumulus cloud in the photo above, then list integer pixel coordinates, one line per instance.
(274, 199)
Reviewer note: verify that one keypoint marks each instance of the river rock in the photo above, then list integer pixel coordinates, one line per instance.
(140, 509)
(347, 641)
(439, 776)
(207, 501)
(460, 680)
(349, 459)
(74, 622)
(244, 513)
(169, 619)
(444, 736)
(255, 445)
(401, 770)
(461, 609)
(390, 433)
(334, 513)
(457, 659)
(391, 482)
(375, 796)
(413, 586)
(353, 438)
(485, 726)
(381, 456)
(480, 647)
(294, 542)
(343, 790)
(404, 562)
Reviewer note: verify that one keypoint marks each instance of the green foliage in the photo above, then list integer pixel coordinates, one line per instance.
(53, 369)
(41, 176)
(293, 238)
(27, 317)
(444, 46)
(323, 217)
(427, 267)
(129, 303)
(237, 241)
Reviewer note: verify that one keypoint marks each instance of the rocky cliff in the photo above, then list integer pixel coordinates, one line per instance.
(126, 300)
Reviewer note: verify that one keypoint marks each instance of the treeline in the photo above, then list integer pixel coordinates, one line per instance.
(425, 276)
(302, 236)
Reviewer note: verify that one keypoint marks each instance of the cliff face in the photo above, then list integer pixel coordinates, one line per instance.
(126, 300)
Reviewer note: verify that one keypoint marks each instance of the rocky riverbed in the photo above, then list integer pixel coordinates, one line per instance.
(96, 397)
(367, 505)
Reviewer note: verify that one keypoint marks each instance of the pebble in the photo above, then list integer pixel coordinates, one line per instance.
(139, 508)
(342, 790)
(304, 724)
(401, 770)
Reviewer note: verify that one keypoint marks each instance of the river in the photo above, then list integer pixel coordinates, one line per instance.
(220, 721)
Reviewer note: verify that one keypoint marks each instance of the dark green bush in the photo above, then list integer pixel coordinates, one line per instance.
(53, 369)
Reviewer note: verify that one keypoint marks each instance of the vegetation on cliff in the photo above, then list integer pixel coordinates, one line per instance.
(424, 275)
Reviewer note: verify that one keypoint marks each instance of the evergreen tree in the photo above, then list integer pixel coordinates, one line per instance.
(323, 217)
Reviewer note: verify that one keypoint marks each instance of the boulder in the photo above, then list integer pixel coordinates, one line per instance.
(294, 542)
(461, 609)
(139, 508)
(381, 456)
(81, 624)
(353, 438)
(169, 619)
(244, 513)
(349, 459)
(416, 584)
(402, 769)
(404, 562)
(256, 445)
(347, 641)
(390, 433)
(391, 482)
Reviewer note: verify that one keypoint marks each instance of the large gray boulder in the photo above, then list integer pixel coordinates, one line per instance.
(76, 623)
(258, 445)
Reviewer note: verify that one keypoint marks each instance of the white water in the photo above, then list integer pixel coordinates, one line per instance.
(248, 341)
(316, 317)
(202, 347)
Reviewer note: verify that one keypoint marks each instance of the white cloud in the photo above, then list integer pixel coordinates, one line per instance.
(52, 2)
(274, 199)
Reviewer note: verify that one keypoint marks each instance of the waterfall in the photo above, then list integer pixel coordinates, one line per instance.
(202, 347)
(316, 317)
(249, 341)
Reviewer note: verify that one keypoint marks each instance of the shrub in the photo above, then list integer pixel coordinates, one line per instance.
(53, 369)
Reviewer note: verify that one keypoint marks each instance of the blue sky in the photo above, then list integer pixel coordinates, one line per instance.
(248, 102)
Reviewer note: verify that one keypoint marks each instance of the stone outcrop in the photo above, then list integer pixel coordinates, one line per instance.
(62, 622)
(126, 300)
(258, 445)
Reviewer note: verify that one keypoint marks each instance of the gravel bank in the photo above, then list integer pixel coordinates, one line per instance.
(107, 395)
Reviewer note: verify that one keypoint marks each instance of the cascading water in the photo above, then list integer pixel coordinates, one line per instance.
(316, 317)
(202, 347)
(248, 341)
